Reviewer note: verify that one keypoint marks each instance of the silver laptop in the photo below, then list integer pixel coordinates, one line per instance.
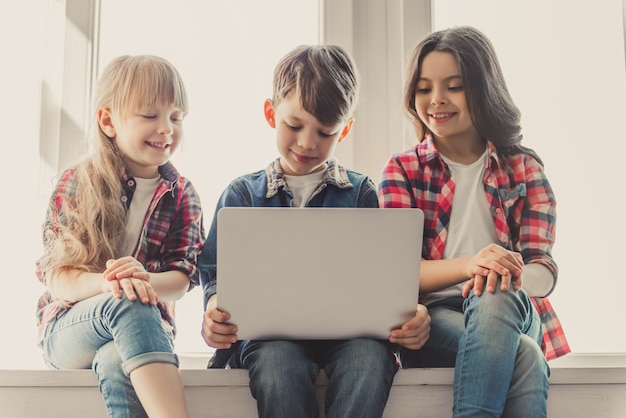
(318, 273)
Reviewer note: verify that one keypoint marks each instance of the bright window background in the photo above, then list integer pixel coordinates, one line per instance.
(564, 66)
(226, 52)
(22, 27)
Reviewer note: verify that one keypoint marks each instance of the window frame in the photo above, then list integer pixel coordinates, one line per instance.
(379, 34)
(380, 127)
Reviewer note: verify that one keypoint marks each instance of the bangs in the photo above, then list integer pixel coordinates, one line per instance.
(323, 77)
(148, 81)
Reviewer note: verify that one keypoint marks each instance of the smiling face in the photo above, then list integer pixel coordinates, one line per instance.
(303, 142)
(440, 100)
(147, 138)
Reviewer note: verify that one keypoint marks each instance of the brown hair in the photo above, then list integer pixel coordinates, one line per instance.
(325, 78)
(494, 114)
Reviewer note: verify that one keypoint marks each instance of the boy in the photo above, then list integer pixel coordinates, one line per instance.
(315, 93)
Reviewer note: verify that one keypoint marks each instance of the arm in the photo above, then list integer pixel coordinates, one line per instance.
(171, 251)
(538, 280)
(537, 233)
(216, 330)
(530, 204)
(207, 260)
(483, 269)
(532, 220)
(395, 192)
(440, 274)
(73, 285)
(122, 275)
(168, 285)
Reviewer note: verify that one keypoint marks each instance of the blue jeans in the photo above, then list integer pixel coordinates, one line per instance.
(493, 342)
(282, 376)
(114, 337)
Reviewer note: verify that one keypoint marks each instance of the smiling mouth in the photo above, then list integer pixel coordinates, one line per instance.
(158, 145)
(441, 115)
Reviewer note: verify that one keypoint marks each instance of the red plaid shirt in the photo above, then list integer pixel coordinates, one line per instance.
(171, 236)
(522, 204)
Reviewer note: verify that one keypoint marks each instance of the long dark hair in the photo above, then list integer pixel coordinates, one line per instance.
(494, 114)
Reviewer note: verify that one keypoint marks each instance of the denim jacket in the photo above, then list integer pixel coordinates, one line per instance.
(268, 188)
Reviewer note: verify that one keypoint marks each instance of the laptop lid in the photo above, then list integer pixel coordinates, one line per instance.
(318, 273)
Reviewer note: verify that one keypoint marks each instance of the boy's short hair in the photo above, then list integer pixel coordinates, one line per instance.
(325, 78)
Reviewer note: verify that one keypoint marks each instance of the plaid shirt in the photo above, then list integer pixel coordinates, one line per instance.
(522, 204)
(171, 237)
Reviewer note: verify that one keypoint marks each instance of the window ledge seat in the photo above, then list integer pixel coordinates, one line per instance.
(581, 385)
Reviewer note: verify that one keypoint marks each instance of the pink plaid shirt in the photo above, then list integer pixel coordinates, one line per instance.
(522, 204)
(171, 238)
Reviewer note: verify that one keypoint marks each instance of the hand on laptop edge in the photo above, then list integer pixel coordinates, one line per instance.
(216, 330)
(415, 332)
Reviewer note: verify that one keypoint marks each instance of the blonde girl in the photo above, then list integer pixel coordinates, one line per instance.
(121, 237)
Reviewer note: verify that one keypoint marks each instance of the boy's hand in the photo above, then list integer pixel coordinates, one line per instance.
(216, 331)
(415, 332)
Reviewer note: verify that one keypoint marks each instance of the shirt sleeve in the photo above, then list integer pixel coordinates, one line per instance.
(538, 219)
(394, 190)
(64, 187)
(368, 196)
(234, 195)
(185, 236)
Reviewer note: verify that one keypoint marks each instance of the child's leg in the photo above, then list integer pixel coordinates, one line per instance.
(360, 374)
(160, 389)
(156, 389)
(282, 378)
(115, 386)
(527, 396)
(488, 354)
(139, 337)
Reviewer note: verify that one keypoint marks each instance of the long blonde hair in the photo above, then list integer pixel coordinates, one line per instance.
(88, 227)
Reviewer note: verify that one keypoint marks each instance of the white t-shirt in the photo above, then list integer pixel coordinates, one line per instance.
(302, 187)
(471, 224)
(137, 212)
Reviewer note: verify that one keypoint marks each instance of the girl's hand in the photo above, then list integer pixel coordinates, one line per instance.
(125, 267)
(415, 332)
(128, 275)
(490, 264)
(135, 289)
(216, 331)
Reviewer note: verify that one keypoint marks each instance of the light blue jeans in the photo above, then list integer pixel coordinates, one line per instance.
(282, 376)
(493, 342)
(114, 337)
